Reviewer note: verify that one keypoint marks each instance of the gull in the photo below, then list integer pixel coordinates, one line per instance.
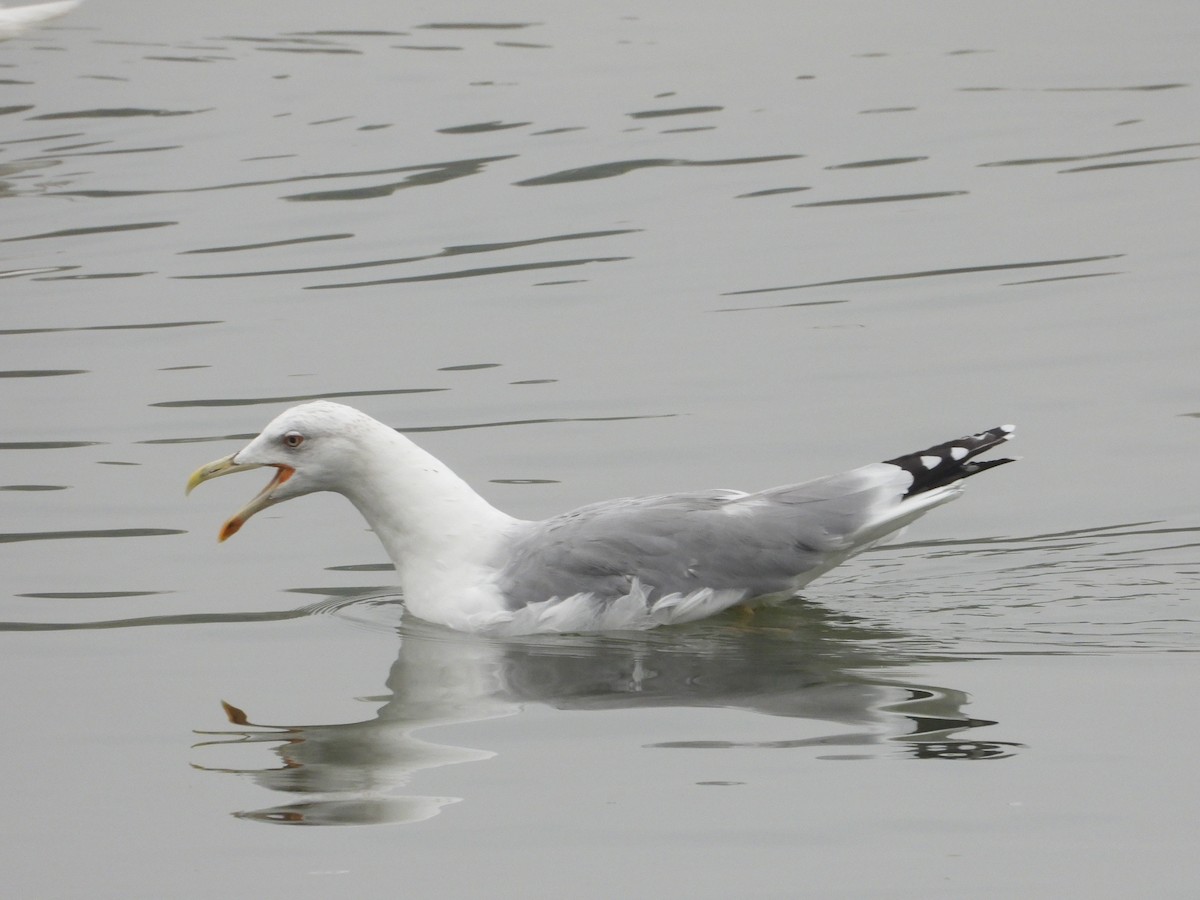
(626, 564)
(15, 19)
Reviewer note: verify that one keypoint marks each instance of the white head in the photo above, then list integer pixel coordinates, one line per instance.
(311, 447)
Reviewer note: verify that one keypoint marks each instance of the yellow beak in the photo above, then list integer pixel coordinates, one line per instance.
(227, 466)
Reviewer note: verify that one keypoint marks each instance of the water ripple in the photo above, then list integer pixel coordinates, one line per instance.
(90, 595)
(430, 173)
(40, 373)
(473, 273)
(350, 33)
(133, 327)
(416, 429)
(624, 166)
(547, 421)
(298, 398)
(298, 44)
(48, 445)
(144, 621)
(478, 26)
(1059, 278)
(75, 535)
(42, 138)
(331, 50)
(118, 113)
(427, 175)
(482, 127)
(889, 198)
(80, 232)
(126, 150)
(770, 192)
(206, 439)
(677, 111)
(94, 276)
(286, 242)
(1068, 90)
(1125, 165)
(425, 47)
(459, 250)
(1125, 586)
(875, 163)
(189, 59)
(1081, 157)
(925, 273)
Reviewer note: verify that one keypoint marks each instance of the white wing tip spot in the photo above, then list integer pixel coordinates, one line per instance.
(930, 462)
(958, 452)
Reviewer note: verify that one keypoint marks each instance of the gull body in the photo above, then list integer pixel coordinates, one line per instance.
(619, 564)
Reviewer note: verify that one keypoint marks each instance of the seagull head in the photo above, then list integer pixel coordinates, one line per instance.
(306, 445)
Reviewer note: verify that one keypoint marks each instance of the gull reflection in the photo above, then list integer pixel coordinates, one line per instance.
(798, 661)
(351, 774)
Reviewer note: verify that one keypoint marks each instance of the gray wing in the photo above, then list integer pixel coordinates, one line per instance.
(762, 543)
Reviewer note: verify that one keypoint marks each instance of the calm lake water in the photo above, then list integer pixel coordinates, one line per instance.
(582, 251)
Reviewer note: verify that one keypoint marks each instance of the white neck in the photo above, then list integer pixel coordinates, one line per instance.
(439, 533)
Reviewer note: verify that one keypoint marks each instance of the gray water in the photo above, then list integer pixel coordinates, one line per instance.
(582, 251)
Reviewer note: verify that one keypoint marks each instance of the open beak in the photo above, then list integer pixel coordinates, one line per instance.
(227, 466)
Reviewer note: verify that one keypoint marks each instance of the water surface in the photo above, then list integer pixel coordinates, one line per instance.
(580, 254)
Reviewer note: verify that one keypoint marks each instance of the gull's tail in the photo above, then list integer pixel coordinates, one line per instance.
(952, 461)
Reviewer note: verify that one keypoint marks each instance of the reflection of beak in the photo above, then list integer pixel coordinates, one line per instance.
(262, 500)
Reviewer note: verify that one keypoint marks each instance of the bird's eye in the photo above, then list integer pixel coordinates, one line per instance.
(293, 439)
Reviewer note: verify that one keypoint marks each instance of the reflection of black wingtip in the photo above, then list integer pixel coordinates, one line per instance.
(935, 716)
(962, 749)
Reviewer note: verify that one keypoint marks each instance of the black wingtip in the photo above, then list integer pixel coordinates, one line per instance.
(944, 464)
